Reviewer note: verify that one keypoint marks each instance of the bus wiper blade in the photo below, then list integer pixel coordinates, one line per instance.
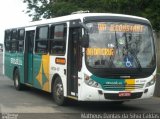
(136, 59)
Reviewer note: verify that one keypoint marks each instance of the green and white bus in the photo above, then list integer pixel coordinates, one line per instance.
(84, 56)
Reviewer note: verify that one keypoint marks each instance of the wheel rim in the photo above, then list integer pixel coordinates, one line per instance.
(59, 91)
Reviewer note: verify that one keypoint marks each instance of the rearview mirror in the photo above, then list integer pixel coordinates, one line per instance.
(85, 40)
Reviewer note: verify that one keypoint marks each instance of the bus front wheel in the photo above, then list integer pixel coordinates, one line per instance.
(116, 102)
(58, 92)
(16, 79)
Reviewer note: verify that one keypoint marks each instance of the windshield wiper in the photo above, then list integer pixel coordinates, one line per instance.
(136, 59)
(116, 42)
(133, 54)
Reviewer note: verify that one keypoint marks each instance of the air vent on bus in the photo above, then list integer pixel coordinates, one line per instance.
(80, 12)
(122, 86)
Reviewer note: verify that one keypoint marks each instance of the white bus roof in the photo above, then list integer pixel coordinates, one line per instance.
(75, 16)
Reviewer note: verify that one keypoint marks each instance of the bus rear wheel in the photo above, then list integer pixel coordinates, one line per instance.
(16, 79)
(58, 92)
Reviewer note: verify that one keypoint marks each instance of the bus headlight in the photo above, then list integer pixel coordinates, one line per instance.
(151, 82)
(91, 82)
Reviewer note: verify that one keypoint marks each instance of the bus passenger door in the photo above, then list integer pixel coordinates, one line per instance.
(74, 61)
(28, 60)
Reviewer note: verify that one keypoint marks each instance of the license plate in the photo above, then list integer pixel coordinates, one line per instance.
(124, 94)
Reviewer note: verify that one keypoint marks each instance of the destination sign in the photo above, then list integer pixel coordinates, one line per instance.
(100, 51)
(120, 27)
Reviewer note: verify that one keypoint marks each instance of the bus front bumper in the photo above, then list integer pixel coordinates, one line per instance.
(95, 94)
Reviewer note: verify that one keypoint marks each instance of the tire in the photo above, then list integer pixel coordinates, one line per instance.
(58, 92)
(16, 79)
(117, 102)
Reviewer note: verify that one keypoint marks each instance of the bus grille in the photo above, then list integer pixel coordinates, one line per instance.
(122, 86)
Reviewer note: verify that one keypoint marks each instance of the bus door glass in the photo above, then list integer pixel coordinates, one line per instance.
(29, 56)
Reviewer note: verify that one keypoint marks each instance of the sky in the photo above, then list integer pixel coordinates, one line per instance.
(11, 13)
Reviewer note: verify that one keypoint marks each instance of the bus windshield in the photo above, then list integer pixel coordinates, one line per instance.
(120, 45)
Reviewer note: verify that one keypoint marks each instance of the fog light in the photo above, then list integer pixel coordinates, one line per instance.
(100, 92)
(146, 90)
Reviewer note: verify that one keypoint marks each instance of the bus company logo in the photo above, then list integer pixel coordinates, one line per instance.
(9, 116)
(16, 61)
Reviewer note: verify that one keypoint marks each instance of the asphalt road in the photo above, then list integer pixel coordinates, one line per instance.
(34, 104)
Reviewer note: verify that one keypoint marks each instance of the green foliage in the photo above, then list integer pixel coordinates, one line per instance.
(63, 8)
(52, 8)
(152, 12)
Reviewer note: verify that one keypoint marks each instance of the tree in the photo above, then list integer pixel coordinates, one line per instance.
(152, 12)
(52, 8)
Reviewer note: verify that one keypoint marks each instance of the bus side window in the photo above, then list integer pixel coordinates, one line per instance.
(58, 39)
(7, 40)
(21, 34)
(41, 42)
(14, 40)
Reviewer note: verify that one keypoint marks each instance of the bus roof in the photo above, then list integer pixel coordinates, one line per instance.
(76, 16)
